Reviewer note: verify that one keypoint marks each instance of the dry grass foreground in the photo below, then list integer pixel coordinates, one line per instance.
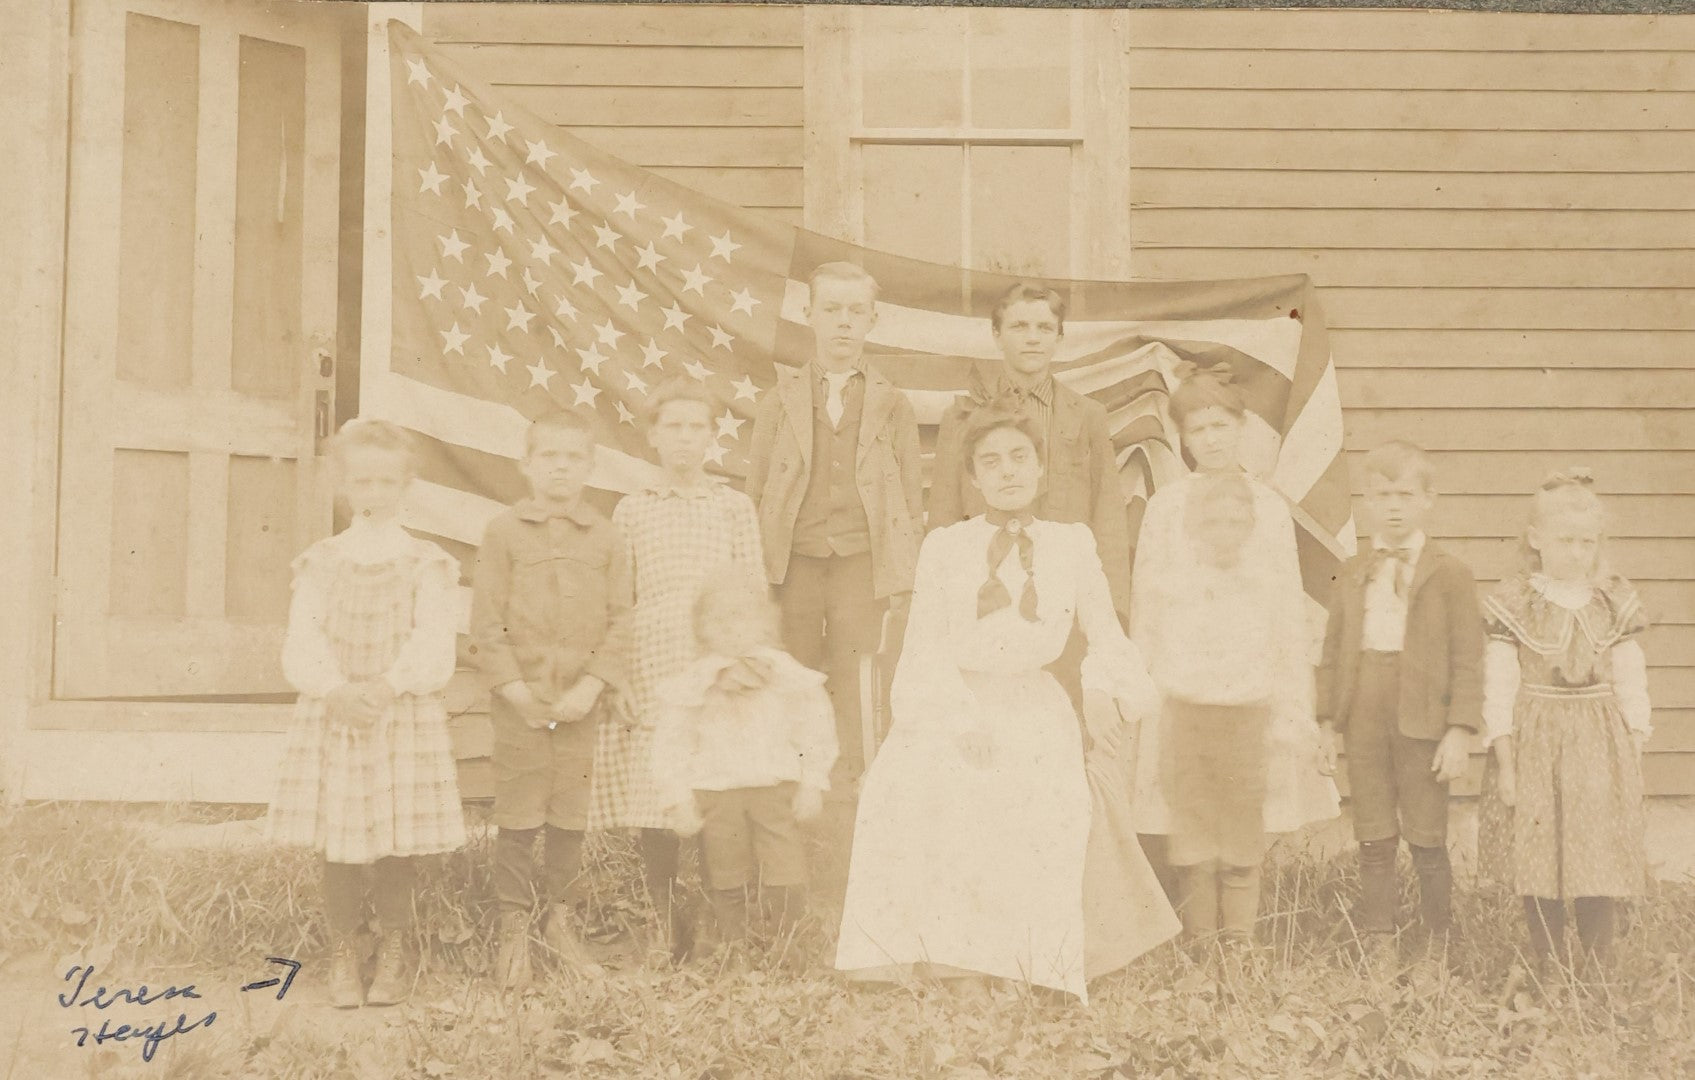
(82, 884)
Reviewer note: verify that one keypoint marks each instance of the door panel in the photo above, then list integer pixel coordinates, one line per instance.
(200, 307)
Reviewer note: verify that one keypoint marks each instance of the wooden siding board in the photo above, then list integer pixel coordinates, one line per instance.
(1517, 388)
(1421, 110)
(1400, 30)
(1438, 150)
(1449, 347)
(1388, 68)
(1512, 308)
(1518, 470)
(516, 64)
(621, 24)
(1573, 430)
(678, 106)
(1332, 185)
(1416, 228)
(1450, 269)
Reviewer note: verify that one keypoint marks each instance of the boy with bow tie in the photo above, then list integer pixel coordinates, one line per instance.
(1401, 678)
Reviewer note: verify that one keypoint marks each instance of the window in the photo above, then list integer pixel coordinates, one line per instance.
(971, 137)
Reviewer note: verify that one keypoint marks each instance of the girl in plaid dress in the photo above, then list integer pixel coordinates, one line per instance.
(1566, 710)
(367, 776)
(678, 534)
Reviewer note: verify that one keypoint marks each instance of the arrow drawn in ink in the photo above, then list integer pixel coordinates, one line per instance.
(287, 980)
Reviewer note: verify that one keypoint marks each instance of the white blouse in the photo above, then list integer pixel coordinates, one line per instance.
(427, 660)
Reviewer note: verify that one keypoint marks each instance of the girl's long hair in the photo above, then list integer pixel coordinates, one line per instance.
(1570, 490)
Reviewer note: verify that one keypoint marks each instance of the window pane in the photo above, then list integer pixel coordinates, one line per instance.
(1020, 68)
(912, 201)
(156, 236)
(261, 538)
(149, 533)
(914, 70)
(1021, 209)
(266, 350)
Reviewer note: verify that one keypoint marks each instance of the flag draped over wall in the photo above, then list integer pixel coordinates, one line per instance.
(532, 271)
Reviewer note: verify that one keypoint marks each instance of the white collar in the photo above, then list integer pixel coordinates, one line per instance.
(364, 541)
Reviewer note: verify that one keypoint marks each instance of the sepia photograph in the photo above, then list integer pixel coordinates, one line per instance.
(818, 541)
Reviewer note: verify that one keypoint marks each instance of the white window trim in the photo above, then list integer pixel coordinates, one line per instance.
(834, 195)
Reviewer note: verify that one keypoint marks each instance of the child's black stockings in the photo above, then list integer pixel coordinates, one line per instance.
(345, 888)
(1435, 887)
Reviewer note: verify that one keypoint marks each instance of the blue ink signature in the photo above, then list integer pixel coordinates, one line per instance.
(151, 1035)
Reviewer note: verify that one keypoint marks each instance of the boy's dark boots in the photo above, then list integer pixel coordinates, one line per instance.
(1376, 912)
(512, 963)
(1435, 893)
(729, 909)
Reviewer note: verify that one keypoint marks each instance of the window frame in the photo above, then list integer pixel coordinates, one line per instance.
(1098, 137)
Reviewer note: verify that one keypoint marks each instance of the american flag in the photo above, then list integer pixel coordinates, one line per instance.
(532, 271)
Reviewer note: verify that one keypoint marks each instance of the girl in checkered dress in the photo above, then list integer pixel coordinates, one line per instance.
(367, 776)
(678, 533)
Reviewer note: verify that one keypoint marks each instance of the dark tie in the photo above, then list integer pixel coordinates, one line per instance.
(1400, 559)
(993, 596)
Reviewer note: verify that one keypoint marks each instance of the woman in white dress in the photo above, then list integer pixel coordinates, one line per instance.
(974, 819)
(1231, 653)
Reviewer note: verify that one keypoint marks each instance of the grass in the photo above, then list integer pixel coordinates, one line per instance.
(80, 883)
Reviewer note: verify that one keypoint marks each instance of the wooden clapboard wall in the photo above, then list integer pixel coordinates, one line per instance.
(1500, 210)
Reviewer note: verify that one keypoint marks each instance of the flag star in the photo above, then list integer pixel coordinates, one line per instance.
(445, 131)
(517, 190)
(627, 204)
(715, 453)
(608, 333)
(539, 153)
(531, 283)
(453, 340)
(730, 425)
(586, 273)
(592, 358)
(518, 317)
(720, 338)
(420, 73)
(540, 374)
(723, 245)
(696, 280)
(473, 299)
(625, 416)
(558, 338)
(562, 213)
(746, 388)
(586, 392)
(430, 286)
(634, 382)
(473, 197)
(497, 358)
(631, 297)
(452, 247)
(542, 251)
(584, 179)
(742, 300)
(456, 102)
(498, 127)
(502, 220)
(607, 237)
(498, 263)
(675, 317)
(697, 369)
(653, 355)
(676, 226)
(431, 178)
(478, 161)
(566, 309)
(649, 257)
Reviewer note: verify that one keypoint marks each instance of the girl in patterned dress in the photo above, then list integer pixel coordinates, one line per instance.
(1566, 711)
(367, 775)
(677, 534)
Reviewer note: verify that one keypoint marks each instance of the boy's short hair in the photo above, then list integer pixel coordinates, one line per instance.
(1024, 291)
(374, 435)
(557, 420)
(678, 388)
(984, 421)
(841, 271)
(1398, 459)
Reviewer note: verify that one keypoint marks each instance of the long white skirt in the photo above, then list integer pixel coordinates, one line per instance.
(975, 869)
